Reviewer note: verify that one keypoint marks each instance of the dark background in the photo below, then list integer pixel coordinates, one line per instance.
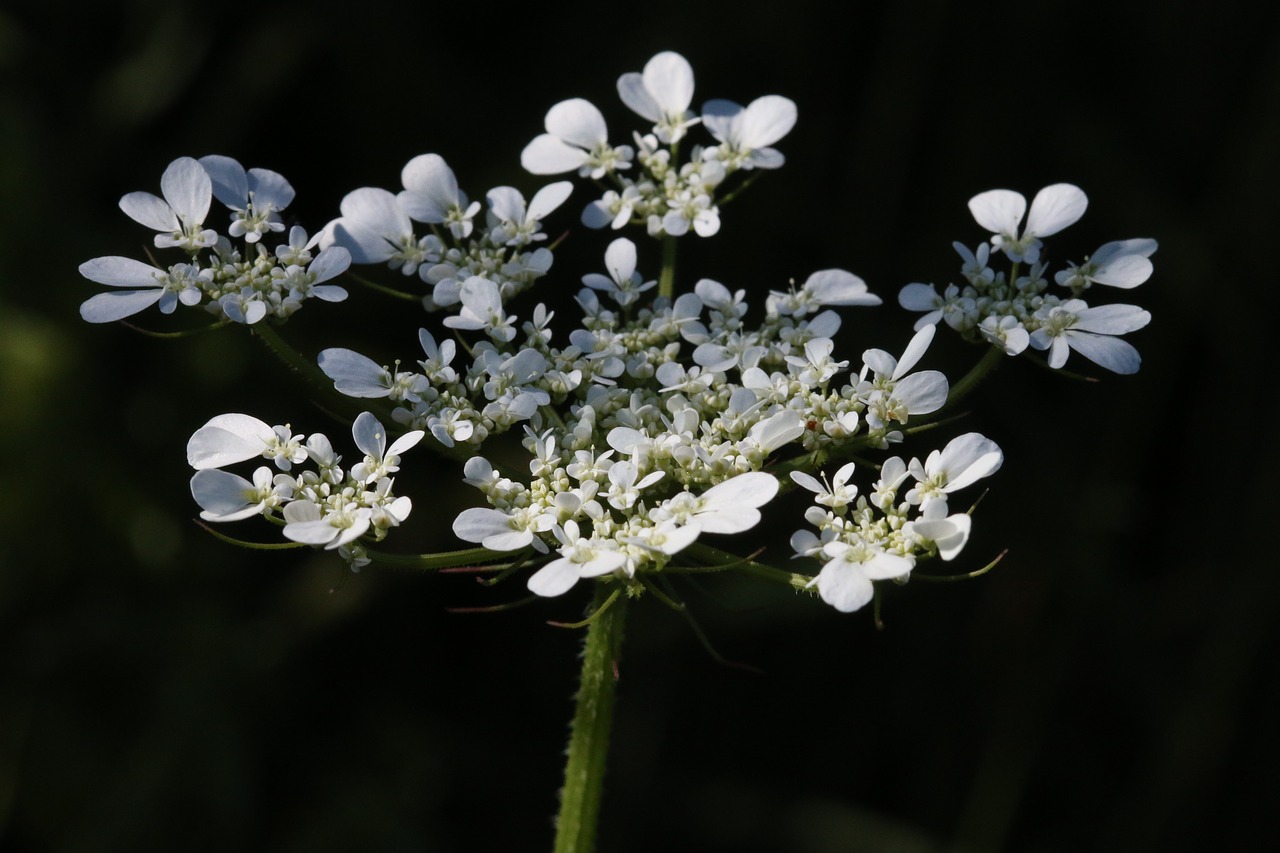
(1110, 686)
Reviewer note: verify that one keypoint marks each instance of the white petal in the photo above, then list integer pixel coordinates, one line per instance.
(915, 350)
(370, 435)
(1112, 353)
(922, 392)
(669, 78)
(150, 210)
(186, 186)
(548, 199)
(632, 91)
(766, 120)
(222, 495)
(839, 287)
(354, 374)
(998, 211)
(1054, 208)
(121, 272)
(428, 178)
(844, 587)
(550, 155)
(555, 578)
(229, 179)
(118, 304)
(1111, 319)
(578, 122)
(883, 566)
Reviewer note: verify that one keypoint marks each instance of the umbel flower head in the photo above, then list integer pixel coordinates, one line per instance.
(1016, 310)
(243, 283)
(631, 437)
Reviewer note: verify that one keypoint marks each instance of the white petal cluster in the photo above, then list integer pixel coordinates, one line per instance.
(322, 506)
(244, 281)
(668, 197)
(1016, 310)
(861, 539)
(653, 419)
(455, 251)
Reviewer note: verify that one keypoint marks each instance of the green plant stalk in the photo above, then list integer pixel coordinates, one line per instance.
(667, 278)
(589, 736)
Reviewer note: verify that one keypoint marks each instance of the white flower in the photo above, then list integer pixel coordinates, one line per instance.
(374, 228)
(728, 507)
(179, 216)
(745, 133)
(948, 533)
(1073, 325)
(845, 579)
(147, 286)
(623, 283)
(580, 558)
(837, 495)
(502, 531)
(255, 197)
(965, 460)
(1121, 263)
(231, 438)
(1000, 211)
(662, 95)
(431, 195)
(379, 460)
(224, 496)
(308, 524)
(517, 226)
(576, 138)
(482, 309)
(892, 394)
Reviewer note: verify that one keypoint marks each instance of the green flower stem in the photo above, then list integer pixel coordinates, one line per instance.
(667, 279)
(971, 379)
(290, 356)
(721, 561)
(589, 737)
(441, 560)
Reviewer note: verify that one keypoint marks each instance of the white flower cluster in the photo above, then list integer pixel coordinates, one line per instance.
(326, 507)
(376, 226)
(862, 539)
(668, 197)
(1015, 311)
(648, 428)
(658, 417)
(243, 285)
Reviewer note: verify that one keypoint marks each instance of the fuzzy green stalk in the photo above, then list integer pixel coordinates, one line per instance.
(667, 278)
(589, 735)
(969, 381)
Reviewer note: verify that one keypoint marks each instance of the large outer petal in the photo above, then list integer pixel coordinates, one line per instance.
(998, 211)
(1112, 353)
(188, 189)
(432, 188)
(551, 155)
(116, 271)
(149, 210)
(766, 120)
(669, 79)
(632, 91)
(1111, 319)
(578, 122)
(1054, 208)
(118, 304)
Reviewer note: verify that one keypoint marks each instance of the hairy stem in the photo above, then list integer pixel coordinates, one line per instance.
(589, 736)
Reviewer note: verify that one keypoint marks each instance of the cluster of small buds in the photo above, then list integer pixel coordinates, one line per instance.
(863, 538)
(1013, 311)
(668, 197)
(377, 226)
(326, 507)
(239, 283)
